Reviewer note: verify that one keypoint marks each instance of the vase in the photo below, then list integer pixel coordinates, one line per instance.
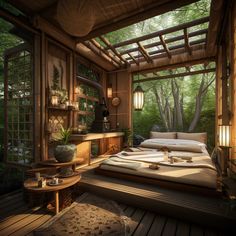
(65, 153)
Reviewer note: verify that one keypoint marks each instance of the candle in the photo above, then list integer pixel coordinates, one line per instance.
(54, 100)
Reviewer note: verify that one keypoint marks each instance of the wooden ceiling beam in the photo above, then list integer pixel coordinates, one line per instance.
(148, 11)
(134, 60)
(216, 15)
(177, 75)
(186, 40)
(100, 47)
(199, 41)
(165, 46)
(162, 32)
(100, 53)
(178, 59)
(170, 40)
(144, 52)
(108, 44)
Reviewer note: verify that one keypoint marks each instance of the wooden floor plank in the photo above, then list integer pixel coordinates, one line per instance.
(129, 211)
(170, 227)
(210, 232)
(32, 226)
(14, 211)
(22, 214)
(135, 219)
(157, 226)
(19, 224)
(183, 229)
(11, 197)
(145, 224)
(196, 231)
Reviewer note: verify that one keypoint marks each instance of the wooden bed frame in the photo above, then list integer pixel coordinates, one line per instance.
(163, 183)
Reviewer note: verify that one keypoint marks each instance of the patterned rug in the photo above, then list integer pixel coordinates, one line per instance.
(89, 215)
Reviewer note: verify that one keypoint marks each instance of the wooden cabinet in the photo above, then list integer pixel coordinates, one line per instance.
(92, 146)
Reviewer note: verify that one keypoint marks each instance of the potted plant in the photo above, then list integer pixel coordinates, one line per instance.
(65, 152)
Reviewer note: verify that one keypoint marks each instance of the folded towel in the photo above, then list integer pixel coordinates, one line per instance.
(124, 164)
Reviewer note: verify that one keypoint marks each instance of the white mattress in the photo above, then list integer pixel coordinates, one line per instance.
(195, 174)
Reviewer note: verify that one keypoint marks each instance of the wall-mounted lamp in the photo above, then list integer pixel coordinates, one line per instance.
(138, 97)
(224, 135)
(109, 91)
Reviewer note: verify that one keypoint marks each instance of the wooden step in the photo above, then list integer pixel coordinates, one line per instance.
(185, 206)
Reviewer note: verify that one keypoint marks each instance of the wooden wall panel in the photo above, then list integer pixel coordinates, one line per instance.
(218, 93)
(121, 86)
(233, 79)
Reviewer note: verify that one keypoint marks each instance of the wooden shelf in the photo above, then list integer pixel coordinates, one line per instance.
(87, 97)
(64, 109)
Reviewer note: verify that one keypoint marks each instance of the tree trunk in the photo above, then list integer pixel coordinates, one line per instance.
(177, 105)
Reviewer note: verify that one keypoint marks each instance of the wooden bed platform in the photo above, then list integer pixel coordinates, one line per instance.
(18, 220)
(161, 183)
(213, 212)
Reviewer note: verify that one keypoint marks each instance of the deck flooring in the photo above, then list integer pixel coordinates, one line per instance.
(23, 220)
(153, 211)
(208, 211)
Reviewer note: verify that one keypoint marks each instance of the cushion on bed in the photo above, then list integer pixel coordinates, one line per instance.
(166, 135)
(200, 137)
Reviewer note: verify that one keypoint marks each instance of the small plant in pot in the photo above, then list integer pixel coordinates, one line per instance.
(64, 152)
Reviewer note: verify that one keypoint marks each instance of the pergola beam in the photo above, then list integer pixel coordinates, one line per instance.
(177, 75)
(109, 45)
(162, 32)
(100, 47)
(186, 40)
(179, 59)
(165, 46)
(148, 11)
(173, 48)
(144, 52)
(101, 54)
(170, 40)
(134, 60)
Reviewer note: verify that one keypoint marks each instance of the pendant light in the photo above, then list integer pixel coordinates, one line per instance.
(138, 96)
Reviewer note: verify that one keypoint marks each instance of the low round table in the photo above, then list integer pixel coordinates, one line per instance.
(32, 186)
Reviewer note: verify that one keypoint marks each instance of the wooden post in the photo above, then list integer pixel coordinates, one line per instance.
(56, 199)
(5, 108)
(43, 110)
(37, 95)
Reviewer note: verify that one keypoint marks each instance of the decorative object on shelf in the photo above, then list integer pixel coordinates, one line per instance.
(109, 91)
(65, 152)
(115, 101)
(59, 97)
(54, 100)
(37, 176)
(76, 105)
(127, 137)
(42, 182)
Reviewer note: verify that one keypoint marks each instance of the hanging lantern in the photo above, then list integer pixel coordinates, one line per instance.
(138, 98)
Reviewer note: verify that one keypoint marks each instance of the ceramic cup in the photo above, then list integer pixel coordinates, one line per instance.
(37, 176)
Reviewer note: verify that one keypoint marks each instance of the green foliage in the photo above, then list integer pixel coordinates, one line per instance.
(127, 136)
(189, 86)
(65, 135)
(55, 80)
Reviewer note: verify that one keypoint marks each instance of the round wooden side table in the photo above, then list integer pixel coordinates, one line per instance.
(31, 185)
